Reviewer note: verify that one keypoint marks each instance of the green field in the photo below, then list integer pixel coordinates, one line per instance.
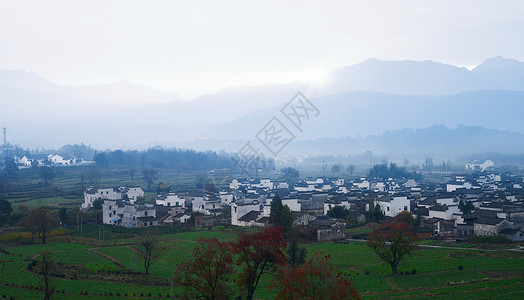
(108, 271)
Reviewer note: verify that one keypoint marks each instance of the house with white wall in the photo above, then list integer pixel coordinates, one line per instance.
(393, 205)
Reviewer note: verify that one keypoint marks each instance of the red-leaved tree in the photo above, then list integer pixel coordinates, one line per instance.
(315, 279)
(257, 253)
(206, 274)
(392, 242)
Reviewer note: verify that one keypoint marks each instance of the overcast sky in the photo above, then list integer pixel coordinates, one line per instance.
(196, 47)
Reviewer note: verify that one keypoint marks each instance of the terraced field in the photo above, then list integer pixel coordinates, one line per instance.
(430, 272)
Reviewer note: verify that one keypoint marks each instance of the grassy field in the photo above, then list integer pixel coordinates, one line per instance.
(66, 188)
(108, 271)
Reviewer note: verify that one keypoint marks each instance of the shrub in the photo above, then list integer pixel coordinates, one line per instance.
(367, 273)
(460, 267)
(401, 273)
(414, 271)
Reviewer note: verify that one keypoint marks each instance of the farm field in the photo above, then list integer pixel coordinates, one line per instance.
(110, 271)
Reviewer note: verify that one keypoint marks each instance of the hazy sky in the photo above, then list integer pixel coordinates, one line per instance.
(195, 47)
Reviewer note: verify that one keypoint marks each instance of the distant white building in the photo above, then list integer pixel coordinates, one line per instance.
(170, 199)
(393, 205)
(480, 166)
(91, 194)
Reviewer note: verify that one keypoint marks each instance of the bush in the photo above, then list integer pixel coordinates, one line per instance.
(367, 273)
(414, 271)
(460, 267)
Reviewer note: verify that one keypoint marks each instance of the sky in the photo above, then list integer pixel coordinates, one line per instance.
(198, 47)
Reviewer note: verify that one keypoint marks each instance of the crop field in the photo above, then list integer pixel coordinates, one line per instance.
(66, 188)
(112, 271)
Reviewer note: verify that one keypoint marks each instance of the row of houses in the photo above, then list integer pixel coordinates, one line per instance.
(38, 160)
(495, 204)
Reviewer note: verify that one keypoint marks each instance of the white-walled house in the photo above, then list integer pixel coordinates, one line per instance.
(444, 212)
(113, 212)
(393, 205)
(91, 194)
(238, 210)
(292, 203)
(133, 193)
(329, 204)
(226, 198)
(140, 215)
(480, 166)
(170, 199)
(207, 206)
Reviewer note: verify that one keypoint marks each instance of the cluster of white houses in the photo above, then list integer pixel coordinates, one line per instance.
(496, 200)
(37, 160)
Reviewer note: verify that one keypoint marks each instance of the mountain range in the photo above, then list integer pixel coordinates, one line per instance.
(371, 101)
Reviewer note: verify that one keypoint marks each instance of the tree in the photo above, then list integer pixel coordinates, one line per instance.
(296, 255)
(149, 249)
(200, 180)
(392, 242)
(467, 207)
(289, 175)
(280, 215)
(256, 254)
(149, 176)
(47, 173)
(43, 219)
(315, 279)
(405, 217)
(11, 168)
(335, 168)
(45, 267)
(163, 187)
(206, 274)
(350, 169)
(375, 214)
(97, 204)
(5, 211)
(338, 211)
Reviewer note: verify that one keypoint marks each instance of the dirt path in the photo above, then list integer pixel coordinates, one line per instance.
(116, 262)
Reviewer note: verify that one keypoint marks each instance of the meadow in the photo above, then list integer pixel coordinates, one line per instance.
(109, 270)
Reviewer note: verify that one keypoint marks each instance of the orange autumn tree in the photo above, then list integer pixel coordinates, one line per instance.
(393, 242)
(315, 279)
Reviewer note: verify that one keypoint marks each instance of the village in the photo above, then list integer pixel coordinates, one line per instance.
(483, 203)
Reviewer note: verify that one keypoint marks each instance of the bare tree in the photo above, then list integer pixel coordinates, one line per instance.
(149, 248)
(150, 176)
(45, 267)
(41, 219)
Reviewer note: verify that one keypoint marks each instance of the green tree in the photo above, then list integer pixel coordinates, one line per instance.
(338, 212)
(280, 214)
(467, 207)
(5, 211)
(405, 217)
(335, 168)
(296, 255)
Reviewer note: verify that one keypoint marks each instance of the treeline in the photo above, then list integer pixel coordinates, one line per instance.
(161, 158)
(385, 172)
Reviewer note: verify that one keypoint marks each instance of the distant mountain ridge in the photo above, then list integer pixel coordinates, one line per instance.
(365, 99)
